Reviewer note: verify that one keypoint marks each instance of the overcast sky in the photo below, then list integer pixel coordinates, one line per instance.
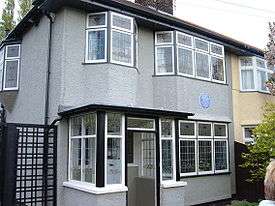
(245, 20)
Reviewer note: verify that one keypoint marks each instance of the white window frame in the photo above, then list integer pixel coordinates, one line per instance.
(10, 59)
(87, 46)
(215, 54)
(212, 157)
(122, 137)
(124, 31)
(188, 136)
(227, 155)
(82, 137)
(224, 70)
(196, 157)
(205, 137)
(142, 129)
(98, 26)
(209, 65)
(248, 140)
(164, 43)
(226, 131)
(193, 61)
(184, 45)
(201, 50)
(173, 150)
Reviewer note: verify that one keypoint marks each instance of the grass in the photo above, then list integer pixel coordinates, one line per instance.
(243, 203)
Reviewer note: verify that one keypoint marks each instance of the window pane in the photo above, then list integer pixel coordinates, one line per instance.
(97, 20)
(204, 129)
(122, 22)
(262, 79)
(220, 155)
(11, 73)
(187, 129)
(122, 47)
(167, 159)
(148, 155)
(187, 156)
(90, 160)
(96, 45)
(217, 69)
(114, 166)
(164, 38)
(185, 40)
(220, 130)
(13, 51)
(136, 123)
(89, 121)
(76, 126)
(202, 45)
(76, 159)
(114, 123)
(166, 128)
(164, 60)
(246, 62)
(185, 61)
(247, 79)
(217, 49)
(202, 65)
(260, 63)
(2, 58)
(205, 156)
(248, 132)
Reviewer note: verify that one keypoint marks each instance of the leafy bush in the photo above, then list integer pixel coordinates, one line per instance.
(243, 203)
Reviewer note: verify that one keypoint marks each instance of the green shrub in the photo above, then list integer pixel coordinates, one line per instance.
(243, 203)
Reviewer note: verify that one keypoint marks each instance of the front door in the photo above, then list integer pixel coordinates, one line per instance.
(141, 168)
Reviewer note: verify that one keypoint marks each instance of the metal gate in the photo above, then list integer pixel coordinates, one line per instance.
(28, 155)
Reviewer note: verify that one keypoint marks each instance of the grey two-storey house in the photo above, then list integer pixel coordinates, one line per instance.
(142, 100)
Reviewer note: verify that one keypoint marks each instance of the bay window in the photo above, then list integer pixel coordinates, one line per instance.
(203, 148)
(121, 39)
(193, 57)
(114, 149)
(167, 146)
(254, 74)
(164, 53)
(82, 154)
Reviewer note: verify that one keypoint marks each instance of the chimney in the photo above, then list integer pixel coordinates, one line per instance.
(166, 6)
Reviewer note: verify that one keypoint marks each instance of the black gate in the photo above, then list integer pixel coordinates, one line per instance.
(28, 156)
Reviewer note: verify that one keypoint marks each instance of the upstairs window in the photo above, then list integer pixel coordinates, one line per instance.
(119, 41)
(9, 67)
(96, 38)
(194, 57)
(122, 39)
(164, 53)
(254, 74)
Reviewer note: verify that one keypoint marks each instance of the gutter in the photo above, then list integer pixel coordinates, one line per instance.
(47, 85)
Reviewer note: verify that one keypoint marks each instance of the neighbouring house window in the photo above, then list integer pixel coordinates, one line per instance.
(203, 148)
(82, 158)
(11, 67)
(248, 134)
(167, 149)
(122, 39)
(96, 38)
(254, 74)
(114, 148)
(164, 53)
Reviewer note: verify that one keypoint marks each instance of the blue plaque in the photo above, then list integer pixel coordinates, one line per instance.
(205, 101)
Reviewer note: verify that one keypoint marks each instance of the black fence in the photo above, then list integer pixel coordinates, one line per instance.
(245, 190)
(28, 165)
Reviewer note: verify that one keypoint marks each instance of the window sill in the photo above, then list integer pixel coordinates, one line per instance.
(173, 184)
(255, 91)
(88, 188)
(205, 175)
(98, 63)
(190, 77)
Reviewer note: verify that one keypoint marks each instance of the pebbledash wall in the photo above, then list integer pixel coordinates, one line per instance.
(74, 84)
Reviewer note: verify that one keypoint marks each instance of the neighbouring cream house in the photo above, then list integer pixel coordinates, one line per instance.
(249, 75)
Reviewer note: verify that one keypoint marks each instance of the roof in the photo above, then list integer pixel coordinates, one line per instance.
(140, 12)
(128, 110)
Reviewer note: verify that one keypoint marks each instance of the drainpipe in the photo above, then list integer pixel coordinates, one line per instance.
(47, 86)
